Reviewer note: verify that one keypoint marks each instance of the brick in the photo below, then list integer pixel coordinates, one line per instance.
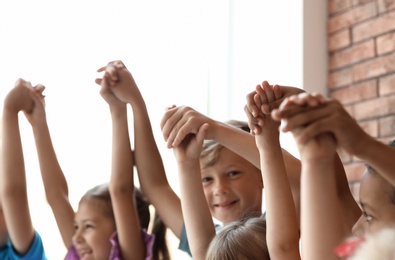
(352, 16)
(354, 54)
(374, 108)
(385, 5)
(335, 6)
(339, 40)
(373, 28)
(387, 126)
(385, 43)
(374, 68)
(371, 127)
(354, 171)
(387, 85)
(356, 92)
(340, 78)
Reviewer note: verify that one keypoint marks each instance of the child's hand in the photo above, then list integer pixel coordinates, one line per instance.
(321, 146)
(120, 81)
(258, 104)
(20, 98)
(178, 122)
(190, 148)
(37, 115)
(327, 117)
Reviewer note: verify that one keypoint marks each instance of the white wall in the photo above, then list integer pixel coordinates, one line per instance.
(206, 54)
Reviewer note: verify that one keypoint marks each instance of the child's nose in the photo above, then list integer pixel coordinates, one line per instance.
(221, 188)
(359, 227)
(77, 238)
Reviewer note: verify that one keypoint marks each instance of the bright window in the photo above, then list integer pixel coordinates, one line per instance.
(204, 54)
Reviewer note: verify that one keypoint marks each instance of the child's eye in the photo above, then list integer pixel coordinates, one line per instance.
(233, 173)
(368, 217)
(206, 179)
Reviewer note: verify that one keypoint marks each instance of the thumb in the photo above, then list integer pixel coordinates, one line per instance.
(201, 134)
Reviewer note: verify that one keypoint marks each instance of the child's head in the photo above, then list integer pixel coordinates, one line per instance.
(240, 240)
(232, 185)
(95, 223)
(377, 199)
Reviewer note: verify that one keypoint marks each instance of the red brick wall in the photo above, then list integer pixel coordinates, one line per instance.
(361, 49)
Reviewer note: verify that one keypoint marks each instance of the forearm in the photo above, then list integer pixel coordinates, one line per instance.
(13, 185)
(281, 213)
(197, 217)
(321, 223)
(55, 183)
(151, 172)
(122, 158)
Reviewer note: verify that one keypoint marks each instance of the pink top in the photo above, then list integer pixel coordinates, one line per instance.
(115, 251)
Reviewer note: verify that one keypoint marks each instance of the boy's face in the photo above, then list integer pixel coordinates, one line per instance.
(232, 186)
(378, 210)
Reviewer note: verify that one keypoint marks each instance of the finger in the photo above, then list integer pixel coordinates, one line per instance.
(252, 122)
(278, 93)
(180, 131)
(98, 81)
(262, 95)
(258, 103)
(268, 92)
(167, 122)
(251, 104)
(112, 72)
(201, 134)
(39, 88)
(306, 118)
(101, 69)
(315, 129)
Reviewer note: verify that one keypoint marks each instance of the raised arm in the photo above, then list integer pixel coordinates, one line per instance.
(148, 160)
(56, 189)
(121, 182)
(322, 222)
(198, 221)
(282, 234)
(13, 191)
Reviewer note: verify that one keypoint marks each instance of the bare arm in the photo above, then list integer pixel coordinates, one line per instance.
(55, 184)
(148, 161)
(12, 176)
(282, 223)
(121, 185)
(198, 221)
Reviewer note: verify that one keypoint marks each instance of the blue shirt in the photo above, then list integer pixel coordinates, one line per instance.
(36, 251)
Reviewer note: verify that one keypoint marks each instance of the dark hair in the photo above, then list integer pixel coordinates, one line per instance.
(101, 192)
(240, 240)
(212, 149)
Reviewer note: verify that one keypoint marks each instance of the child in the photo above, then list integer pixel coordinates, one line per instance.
(106, 225)
(377, 188)
(18, 238)
(230, 159)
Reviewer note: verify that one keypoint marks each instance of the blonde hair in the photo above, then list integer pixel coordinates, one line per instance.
(377, 246)
(240, 240)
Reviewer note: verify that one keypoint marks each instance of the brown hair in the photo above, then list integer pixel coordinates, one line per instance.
(240, 240)
(102, 193)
